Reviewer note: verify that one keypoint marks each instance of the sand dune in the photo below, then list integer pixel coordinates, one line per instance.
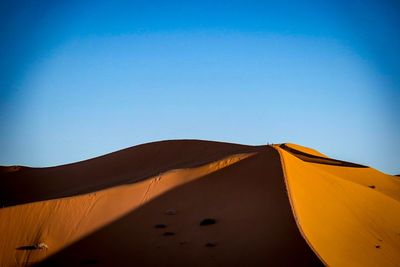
(200, 203)
(349, 214)
(125, 166)
(304, 149)
(314, 157)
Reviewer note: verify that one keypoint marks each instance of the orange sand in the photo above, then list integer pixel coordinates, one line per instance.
(273, 206)
(60, 222)
(349, 215)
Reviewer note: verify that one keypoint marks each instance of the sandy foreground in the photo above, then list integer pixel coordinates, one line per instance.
(200, 203)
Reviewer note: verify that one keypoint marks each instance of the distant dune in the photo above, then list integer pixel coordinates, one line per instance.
(200, 203)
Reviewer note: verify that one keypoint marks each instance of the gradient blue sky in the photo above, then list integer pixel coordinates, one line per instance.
(80, 79)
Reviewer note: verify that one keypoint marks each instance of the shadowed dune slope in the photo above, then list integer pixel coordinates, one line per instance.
(23, 184)
(350, 215)
(200, 203)
(206, 203)
(313, 156)
(31, 232)
(250, 223)
(306, 150)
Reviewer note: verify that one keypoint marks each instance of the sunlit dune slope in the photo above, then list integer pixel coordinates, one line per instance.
(23, 185)
(349, 213)
(145, 208)
(306, 150)
(200, 203)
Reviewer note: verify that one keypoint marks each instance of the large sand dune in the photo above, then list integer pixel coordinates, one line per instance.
(349, 213)
(200, 203)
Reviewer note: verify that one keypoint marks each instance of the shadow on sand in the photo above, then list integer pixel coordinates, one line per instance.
(20, 185)
(237, 216)
(319, 160)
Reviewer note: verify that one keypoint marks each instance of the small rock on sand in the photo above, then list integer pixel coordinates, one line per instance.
(41, 246)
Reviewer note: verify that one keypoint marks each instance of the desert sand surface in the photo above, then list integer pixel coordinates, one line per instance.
(25, 185)
(304, 149)
(349, 213)
(200, 203)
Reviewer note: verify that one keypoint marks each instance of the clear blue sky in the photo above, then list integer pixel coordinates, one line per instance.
(80, 79)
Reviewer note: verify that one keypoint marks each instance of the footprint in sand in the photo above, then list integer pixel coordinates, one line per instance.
(169, 234)
(208, 221)
(211, 244)
(171, 212)
(88, 261)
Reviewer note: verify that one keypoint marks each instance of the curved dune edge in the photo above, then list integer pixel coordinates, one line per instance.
(292, 204)
(349, 216)
(305, 156)
(119, 226)
(275, 202)
(306, 150)
(255, 225)
(60, 222)
(21, 185)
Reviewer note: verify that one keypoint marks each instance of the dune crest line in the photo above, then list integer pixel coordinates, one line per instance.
(345, 211)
